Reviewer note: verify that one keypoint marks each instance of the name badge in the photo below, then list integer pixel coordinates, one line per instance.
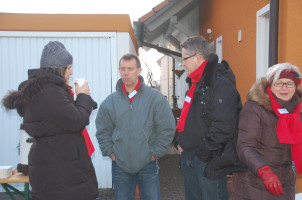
(283, 111)
(188, 99)
(132, 94)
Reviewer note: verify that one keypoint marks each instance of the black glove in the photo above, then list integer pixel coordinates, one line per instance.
(94, 105)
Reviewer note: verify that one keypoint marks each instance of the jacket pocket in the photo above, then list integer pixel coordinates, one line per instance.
(115, 135)
(131, 149)
(70, 151)
(147, 131)
(255, 181)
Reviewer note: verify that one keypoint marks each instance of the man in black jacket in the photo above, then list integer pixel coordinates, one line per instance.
(208, 123)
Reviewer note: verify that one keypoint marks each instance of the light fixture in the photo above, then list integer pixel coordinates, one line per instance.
(209, 33)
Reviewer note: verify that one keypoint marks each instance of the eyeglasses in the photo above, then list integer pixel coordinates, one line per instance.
(289, 84)
(186, 58)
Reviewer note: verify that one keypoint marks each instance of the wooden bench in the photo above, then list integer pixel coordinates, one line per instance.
(16, 178)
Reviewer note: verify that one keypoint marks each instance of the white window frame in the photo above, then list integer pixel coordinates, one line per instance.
(262, 45)
(219, 48)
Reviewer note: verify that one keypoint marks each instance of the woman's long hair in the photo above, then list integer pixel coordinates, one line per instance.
(60, 72)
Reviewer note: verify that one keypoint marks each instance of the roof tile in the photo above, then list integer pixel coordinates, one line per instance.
(160, 6)
(154, 10)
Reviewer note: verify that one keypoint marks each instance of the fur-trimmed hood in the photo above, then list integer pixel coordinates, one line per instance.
(258, 94)
(31, 88)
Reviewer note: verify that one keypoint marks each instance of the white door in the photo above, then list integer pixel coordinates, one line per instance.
(95, 59)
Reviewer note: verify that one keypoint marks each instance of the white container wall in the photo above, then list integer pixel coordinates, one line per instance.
(95, 57)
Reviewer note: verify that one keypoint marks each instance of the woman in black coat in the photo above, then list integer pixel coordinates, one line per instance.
(59, 165)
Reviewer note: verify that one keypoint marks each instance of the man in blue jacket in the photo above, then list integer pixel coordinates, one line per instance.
(135, 126)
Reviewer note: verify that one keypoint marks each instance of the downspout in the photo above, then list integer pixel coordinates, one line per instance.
(273, 33)
(173, 95)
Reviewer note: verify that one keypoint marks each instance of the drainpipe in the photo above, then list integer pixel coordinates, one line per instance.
(273, 32)
(173, 95)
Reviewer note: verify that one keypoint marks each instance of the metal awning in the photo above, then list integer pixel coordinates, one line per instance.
(172, 21)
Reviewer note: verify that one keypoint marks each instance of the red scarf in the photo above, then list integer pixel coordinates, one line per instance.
(195, 77)
(89, 145)
(289, 130)
(133, 93)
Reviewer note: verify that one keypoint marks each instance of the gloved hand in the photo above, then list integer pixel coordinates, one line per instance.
(270, 180)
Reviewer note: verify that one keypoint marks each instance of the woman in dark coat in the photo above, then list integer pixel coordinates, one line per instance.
(270, 137)
(59, 165)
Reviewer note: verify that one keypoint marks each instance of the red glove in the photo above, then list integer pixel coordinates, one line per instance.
(270, 180)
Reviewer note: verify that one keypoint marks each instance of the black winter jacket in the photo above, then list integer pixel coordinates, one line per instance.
(59, 165)
(211, 125)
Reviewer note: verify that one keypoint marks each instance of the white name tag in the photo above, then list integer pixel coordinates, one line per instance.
(132, 94)
(188, 99)
(283, 111)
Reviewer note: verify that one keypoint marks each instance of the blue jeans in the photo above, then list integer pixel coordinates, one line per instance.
(197, 187)
(125, 183)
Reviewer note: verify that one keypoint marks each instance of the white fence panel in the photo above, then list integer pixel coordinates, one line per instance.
(93, 60)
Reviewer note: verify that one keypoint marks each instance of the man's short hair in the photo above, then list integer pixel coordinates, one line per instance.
(130, 56)
(197, 45)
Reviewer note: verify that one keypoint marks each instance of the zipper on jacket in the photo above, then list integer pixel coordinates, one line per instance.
(128, 101)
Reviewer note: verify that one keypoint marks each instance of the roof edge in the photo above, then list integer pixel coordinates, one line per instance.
(68, 23)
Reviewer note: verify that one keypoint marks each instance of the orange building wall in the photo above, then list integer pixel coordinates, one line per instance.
(67, 23)
(227, 17)
(299, 183)
(290, 32)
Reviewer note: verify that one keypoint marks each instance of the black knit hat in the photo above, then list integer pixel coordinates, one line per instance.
(55, 55)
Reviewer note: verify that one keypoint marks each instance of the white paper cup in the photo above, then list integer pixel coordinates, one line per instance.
(80, 81)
